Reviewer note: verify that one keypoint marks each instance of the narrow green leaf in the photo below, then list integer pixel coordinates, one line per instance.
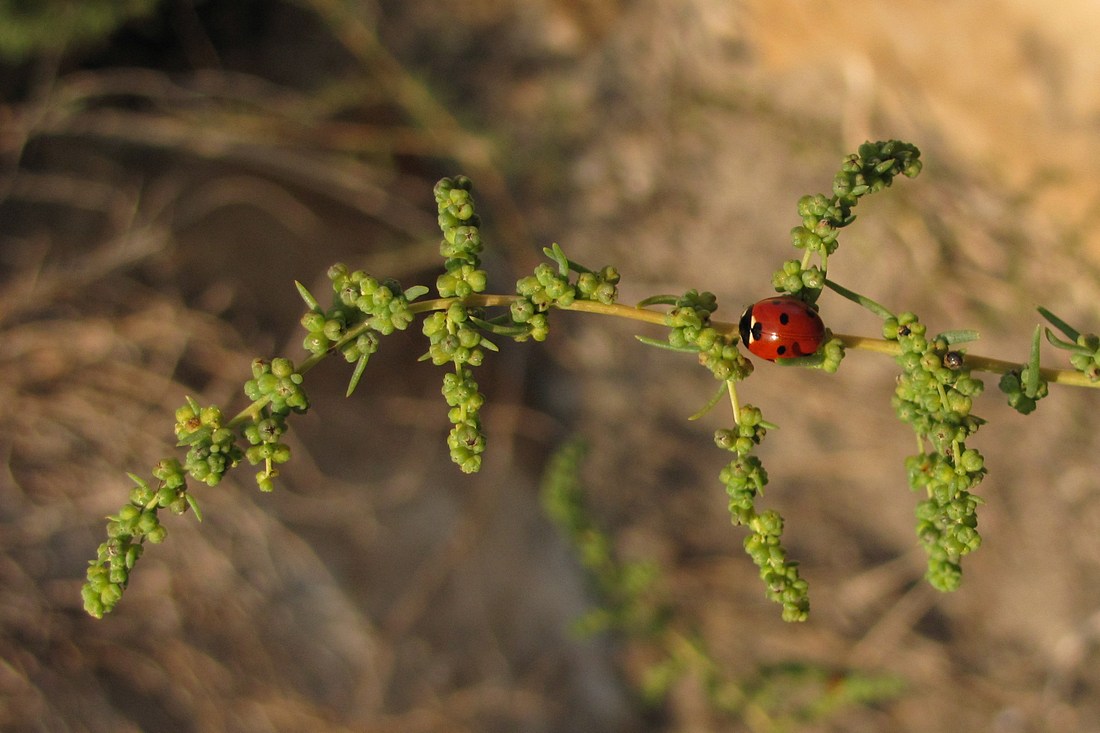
(722, 391)
(510, 330)
(1059, 343)
(876, 308)
(1071, 333)
(554, 252)
(194, 504)
(658, 300)
(667, 346)
(357, 374)
(1031, 387)
(415, 292)
(307, 296)
(960, 336)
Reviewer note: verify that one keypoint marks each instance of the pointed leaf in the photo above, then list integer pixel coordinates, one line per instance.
(307, 296)
(357, 374)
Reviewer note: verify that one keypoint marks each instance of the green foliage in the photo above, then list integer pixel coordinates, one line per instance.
(935, 390)
(51, 26)
(633, 604)
(934, 394)
(629, 600)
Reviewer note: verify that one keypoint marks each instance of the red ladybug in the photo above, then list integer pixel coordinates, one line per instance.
(782, 327)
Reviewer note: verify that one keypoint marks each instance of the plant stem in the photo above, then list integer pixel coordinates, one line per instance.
(864, 343)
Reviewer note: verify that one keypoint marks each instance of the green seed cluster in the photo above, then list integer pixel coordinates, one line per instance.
(454, 337)
(1086, 357)
(551, 287)
(793, 277)
(358, 299)
(127, 532)
(211, 446)
(689, 320)
(830, 355)
(277, 383)
(934, 394)
(466, 439)
(1021, 396)
(870, 170)
(461, 245)
(745, 478)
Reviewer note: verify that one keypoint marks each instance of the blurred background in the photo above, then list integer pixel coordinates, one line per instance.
(169, 167)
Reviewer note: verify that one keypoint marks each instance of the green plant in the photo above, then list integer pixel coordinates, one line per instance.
(52, 26)
(934, 394)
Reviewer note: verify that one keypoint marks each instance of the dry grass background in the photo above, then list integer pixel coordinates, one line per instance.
(161, 192)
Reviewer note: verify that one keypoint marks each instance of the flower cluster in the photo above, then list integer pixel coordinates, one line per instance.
(1023, 391)
(454, 337)
(744, 478)
(466, 439)
(211, 446)
(551, 286)
(1086, 357)
(870, 170)
(281, 386)
(934, 394)
(793, 277)
(358, 299)
(277, 384)
(689, 320)
(1084, 349)
(461, 245)
(127, 532)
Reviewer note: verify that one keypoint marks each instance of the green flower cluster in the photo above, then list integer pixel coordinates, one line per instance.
(1023, 392)
(870, 170)
(830, 355)
(689, 319)
(137, 522)
(1084, 348)
(745, 478)
(211, 446)
(793, 277)
(934, 394)
(277, 388)
(279, 384)
(358, 298)
(455, 337)
(551, 286)
(461, 245)
(466, 439)
(1086, 357)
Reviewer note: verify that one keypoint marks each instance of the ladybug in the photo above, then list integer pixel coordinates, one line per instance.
(782, 327)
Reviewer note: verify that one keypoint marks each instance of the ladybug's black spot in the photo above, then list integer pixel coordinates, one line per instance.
(784, 319)
(781, 351)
